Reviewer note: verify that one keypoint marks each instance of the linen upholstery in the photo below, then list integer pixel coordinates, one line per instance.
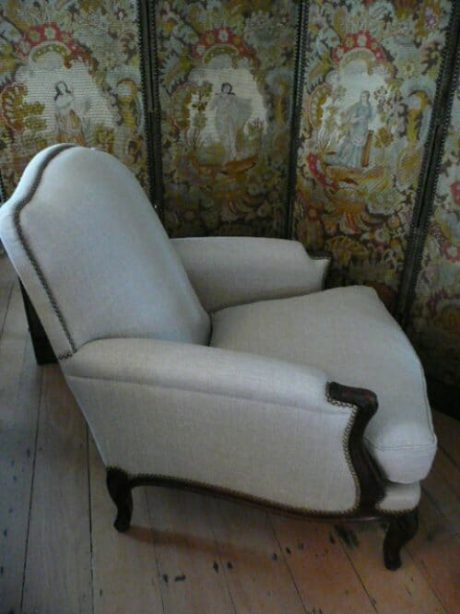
(348, 333)
(246, 423)
(400, 497)
(21, 261)
(229, 271)
(108, 260)
(247, 413)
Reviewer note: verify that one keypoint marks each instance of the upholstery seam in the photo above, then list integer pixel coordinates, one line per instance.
(163, 386)
(396, 512)
(405, 447)
(218, 490)
(19, 207)
(238, 493)
(302, 293)
(292, 296)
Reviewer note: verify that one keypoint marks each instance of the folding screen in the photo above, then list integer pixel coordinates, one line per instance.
(341, 104)
(69, 72)
(370, 84)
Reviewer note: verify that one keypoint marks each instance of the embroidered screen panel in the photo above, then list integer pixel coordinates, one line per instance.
(226, 73)
(370, 82)
(70, 72)
(435, 315)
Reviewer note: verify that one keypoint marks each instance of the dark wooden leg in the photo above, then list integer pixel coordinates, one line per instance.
(402, 529)
(119, 488)
(44, 354)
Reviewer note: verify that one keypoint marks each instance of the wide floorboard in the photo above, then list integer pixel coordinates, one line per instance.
(185, 553)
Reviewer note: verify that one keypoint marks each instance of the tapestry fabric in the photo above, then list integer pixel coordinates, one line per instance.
(370, 82)
(435, 316)
(225, 82)
(69, 72)
(231, 80)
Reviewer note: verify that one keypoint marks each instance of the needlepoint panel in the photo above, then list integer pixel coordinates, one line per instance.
(69, 72)
(370, 82)
(225, 74)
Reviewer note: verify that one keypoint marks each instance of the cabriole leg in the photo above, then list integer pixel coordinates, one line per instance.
(402, 529)
(119, 488)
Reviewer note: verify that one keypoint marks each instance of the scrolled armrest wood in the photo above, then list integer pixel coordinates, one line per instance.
(365, 401)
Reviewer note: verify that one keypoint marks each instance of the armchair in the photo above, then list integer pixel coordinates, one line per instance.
(212, 363)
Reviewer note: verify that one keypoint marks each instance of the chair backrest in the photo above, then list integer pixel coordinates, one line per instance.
(93, 255)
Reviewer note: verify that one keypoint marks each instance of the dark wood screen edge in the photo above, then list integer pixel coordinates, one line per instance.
(148, 44)
(297, 99)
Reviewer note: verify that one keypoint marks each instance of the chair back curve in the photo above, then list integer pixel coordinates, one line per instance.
(93, 255)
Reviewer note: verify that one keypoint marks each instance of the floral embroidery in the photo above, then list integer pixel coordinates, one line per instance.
(370, 82)
(73, 79)
(226, 78)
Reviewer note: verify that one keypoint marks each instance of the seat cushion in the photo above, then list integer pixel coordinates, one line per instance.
(348, 333)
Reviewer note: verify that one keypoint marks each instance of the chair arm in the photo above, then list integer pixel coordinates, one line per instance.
(228, 271)
(204, 369)
(272, 430)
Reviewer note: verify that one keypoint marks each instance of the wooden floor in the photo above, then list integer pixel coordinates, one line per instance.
(185, 553)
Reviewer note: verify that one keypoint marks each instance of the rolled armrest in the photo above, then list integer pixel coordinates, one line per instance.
(235, 421)
(197, 368)
(228, 271)
(247, 424)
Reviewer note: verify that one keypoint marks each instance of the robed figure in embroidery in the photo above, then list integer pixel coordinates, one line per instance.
(232, 113)
(69, 124)
(353, 145)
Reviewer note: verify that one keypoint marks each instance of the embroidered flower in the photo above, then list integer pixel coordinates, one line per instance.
(24, 47)
(223, 36)
(407, 69)
(50, 33)
(431, 19)
(349, 42)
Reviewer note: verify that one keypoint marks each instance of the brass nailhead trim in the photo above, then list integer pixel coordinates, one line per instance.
(29, 252)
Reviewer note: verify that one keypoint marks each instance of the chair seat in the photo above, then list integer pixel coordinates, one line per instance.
(348, 333)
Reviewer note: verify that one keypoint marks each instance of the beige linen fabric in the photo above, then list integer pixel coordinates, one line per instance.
(101, 249)
(229, 271)
(348, 333)
(250, 424)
